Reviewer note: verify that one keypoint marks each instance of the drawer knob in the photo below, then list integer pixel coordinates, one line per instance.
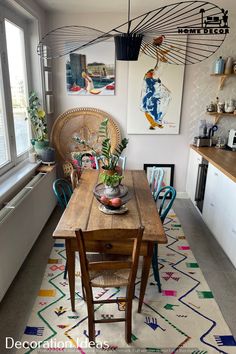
(108, 246)
(211, 204)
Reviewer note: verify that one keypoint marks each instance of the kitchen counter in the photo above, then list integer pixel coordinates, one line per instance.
(224, 160)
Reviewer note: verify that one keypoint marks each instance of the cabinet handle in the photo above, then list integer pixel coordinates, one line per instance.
(234, 231)
(211, 204)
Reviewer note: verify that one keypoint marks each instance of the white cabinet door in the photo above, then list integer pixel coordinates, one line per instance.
(227, 197)
(219, 210)
(194, 160)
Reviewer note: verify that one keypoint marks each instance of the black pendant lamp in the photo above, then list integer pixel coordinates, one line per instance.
(127, 45)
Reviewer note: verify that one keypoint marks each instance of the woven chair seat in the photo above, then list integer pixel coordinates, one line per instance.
(108, 278)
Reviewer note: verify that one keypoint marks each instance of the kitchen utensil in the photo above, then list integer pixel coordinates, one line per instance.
(212, 130)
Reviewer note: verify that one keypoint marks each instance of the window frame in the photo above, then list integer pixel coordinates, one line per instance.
(20, 21)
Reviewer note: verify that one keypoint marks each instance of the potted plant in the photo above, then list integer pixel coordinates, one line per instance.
(111, 175)
(108, 157)
(111, 182)
(39, 127)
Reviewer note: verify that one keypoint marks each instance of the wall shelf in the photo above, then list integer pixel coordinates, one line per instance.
(223, 77)
(219, 115)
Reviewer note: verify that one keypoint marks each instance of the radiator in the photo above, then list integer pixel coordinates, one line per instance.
(21, 222)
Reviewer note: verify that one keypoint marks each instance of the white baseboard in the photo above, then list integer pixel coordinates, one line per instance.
(182, 195)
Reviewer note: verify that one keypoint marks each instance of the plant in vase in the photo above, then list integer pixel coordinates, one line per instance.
(112, 173)
(37, 117)
(111, 182)
(110, 158)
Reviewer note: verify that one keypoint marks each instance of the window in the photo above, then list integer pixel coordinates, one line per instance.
(4, 148)
(18, 83)
(18, 33)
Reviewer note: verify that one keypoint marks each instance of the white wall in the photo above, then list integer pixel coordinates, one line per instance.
(199, 90)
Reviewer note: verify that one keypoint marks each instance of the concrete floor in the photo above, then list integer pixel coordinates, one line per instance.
(220, 274)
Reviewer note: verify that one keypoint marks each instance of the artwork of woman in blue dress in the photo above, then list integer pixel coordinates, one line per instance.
(155, 99)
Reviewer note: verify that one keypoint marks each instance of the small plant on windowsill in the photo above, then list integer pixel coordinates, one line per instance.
(38, 121)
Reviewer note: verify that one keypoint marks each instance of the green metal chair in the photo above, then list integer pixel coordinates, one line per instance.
(164, 208)
(63, 192)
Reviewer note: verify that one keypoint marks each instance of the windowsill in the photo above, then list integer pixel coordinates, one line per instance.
(12, 180)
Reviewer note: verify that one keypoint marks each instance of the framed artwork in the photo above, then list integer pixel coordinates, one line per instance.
(154, 97)
(83, 160)
(168, 179)
(91, 71)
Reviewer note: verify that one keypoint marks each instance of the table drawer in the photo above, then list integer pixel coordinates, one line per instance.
(111, 247)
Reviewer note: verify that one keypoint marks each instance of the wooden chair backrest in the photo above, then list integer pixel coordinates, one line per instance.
(109, 235)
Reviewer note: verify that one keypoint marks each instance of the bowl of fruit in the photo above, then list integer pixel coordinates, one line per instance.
(111, 203)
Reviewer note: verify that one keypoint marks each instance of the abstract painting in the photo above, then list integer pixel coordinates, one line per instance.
(154, 97)
(91, 71)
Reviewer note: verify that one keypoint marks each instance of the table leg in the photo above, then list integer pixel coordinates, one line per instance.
(147, 259)
(70, 254)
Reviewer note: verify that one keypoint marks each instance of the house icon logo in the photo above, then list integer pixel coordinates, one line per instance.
(214, 24)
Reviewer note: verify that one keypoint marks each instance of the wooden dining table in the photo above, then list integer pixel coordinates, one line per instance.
(83, 213)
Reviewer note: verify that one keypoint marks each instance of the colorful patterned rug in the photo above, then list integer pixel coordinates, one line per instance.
(184, 318)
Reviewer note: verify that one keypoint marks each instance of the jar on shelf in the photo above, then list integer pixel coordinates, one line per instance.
(221, 107)
(229, 66)
(234, 67)
(219, 66)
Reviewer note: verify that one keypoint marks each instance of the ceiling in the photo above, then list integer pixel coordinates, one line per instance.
(108, 6)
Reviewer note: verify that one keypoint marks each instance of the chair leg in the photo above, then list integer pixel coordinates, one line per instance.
(91, 325)
(65, 271)
(90, 308)
(83, 292)
(155, 267)
(128, 320)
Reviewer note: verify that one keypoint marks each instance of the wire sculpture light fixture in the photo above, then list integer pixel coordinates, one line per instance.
(186, 32)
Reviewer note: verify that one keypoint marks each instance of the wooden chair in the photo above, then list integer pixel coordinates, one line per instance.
(63, 192)
(74, 177)
(164, 208)
(71, 174)
(105, 269)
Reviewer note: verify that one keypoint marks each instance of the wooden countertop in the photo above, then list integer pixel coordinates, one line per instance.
(224, 160)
